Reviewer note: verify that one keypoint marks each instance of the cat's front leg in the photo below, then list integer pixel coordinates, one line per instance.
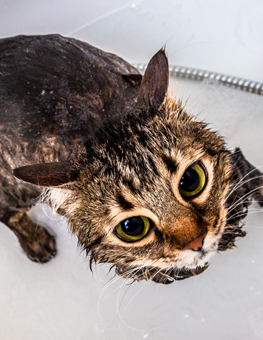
(34, 239)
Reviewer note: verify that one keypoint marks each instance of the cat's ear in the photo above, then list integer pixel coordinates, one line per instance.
(155, 82)
(46, 174)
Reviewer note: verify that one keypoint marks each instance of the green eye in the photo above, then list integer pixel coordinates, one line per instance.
(193, 181)
(133, 229)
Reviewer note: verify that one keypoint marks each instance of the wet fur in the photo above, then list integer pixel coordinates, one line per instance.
(49, 103)
(127, 143)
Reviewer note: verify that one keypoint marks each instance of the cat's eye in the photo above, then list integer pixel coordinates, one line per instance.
(133, 229)
(193, 181)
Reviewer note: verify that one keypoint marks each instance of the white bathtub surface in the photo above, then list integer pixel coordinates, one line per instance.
(63, 299)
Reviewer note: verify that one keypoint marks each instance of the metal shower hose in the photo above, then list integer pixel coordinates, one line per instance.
(200, 75)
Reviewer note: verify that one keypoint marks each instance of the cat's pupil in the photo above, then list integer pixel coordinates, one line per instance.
(190, 180)
(133, 226)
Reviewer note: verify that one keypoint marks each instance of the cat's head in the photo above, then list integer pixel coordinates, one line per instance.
(149, 194)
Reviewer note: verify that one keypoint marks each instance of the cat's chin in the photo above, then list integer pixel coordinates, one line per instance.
(189, 263)
(178, 274)
(164, 276)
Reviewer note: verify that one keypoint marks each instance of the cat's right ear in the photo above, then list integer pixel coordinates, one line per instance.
(46, 174)
(155, 82)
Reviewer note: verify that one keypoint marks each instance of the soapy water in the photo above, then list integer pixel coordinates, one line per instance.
(64, 300)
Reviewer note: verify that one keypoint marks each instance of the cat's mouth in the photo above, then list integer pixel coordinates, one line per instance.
(159, 275)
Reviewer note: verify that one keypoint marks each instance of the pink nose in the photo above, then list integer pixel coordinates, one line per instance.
(195, 244)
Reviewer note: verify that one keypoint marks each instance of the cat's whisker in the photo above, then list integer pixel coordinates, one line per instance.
(235, 204)
(177, 271)
(254, 169)
(168, 272)
(239, 214)
(245, 210)
(114, 279)
(240, 182)
(151, 266)
(117, 308)
(117, 277)
(165, 275)
(118, 305)
(121, 317)
(100, 298)
(244, 201)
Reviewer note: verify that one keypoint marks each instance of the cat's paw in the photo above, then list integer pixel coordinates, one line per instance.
(35, 240)
(41, 247)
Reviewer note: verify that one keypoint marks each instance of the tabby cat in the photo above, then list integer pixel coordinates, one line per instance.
(143, 185)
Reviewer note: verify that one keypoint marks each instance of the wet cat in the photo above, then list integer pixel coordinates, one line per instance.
(143, 185)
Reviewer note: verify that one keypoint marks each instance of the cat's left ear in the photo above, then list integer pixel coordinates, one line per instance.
(155, 82)
(46, 174)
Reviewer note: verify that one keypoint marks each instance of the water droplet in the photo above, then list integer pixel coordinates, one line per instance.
(99, 328)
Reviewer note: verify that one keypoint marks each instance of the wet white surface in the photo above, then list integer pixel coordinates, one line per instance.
(62, 299)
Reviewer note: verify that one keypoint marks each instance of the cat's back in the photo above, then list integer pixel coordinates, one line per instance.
(54, 93)
(56, 86)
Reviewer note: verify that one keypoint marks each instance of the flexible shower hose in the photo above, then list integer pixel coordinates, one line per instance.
(200, 75)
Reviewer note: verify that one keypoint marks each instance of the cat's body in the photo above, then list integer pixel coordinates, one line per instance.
(119, 149)
(42, 119)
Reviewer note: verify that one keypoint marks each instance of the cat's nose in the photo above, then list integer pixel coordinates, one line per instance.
(195, 244)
